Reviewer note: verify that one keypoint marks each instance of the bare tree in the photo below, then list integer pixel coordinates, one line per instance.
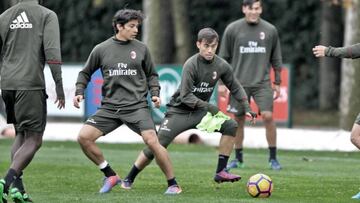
(350, 74)
(331, 34)
(158, 30)
(181, 30)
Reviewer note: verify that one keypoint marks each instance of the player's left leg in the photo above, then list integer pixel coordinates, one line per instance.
(263, 97)
(271, 138)
(140, 163)
(355, 132)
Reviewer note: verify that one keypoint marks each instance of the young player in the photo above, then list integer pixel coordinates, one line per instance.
(129, 74)
(189, 105)
(251, 45)
(353, 52)
(29, 37)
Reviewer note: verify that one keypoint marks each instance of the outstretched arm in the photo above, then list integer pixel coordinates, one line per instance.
(352, 51)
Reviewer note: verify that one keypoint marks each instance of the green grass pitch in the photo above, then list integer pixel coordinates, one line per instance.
(60, 172)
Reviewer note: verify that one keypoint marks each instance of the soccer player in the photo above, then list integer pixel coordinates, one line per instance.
(129, 74)
(30, 37)
(251, 45)
(189, 104)
(352, 52)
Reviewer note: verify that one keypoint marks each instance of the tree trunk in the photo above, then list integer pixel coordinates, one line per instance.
(350, 82)
(158, 30)
(181, 30)
(331, 34)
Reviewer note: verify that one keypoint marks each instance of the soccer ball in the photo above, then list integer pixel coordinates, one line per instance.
(260, 185)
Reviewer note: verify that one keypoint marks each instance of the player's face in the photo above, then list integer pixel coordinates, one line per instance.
(207, 49)
(253, 12)
(128, 31)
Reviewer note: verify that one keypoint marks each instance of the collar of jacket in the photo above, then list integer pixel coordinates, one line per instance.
(28, 1)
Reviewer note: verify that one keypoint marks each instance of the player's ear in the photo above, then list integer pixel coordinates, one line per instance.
(198, 44)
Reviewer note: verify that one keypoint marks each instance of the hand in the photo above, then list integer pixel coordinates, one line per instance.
(156, 100)
(212, 109)
(223, 91)
(252, 116)
(60, 96)
(319, 51)
(277, 91)
(61, 103)
(77, 99)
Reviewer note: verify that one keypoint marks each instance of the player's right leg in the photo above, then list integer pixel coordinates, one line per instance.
(162, 159)
(96, 126)
(3, 194)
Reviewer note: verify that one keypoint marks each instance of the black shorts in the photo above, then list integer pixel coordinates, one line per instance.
(175, 123)
(26, 109)
(263, 97)
(107, 120)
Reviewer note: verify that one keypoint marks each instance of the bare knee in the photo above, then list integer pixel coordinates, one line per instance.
(150, 139)
(354, 138)
(83, 139)
(34, 139)
(88, 135)
(267, 117)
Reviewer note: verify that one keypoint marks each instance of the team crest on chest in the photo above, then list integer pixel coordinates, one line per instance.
(262, 35)
(214, 75)
(133, 54)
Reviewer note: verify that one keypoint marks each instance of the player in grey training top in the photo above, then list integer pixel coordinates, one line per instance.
(30, 37)
(129, 74)
(251, 45)
(190, 103)
(353, 52)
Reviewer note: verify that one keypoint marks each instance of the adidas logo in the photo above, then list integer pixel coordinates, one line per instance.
(21, 22)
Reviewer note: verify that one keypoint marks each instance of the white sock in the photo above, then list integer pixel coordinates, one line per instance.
(103, 164)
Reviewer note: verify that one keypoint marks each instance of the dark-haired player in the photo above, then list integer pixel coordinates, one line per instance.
(128, 74)
(190, 103)
(29, 37)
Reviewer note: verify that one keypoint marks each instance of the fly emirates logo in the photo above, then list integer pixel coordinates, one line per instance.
(252, 48)
(204, 88)
(122, 69)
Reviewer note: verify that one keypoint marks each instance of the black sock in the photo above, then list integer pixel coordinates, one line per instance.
(108, 171)
(223, 159)
(171, 182)
(9, 178)
(272, 151)
(18, 183)
(132, 174)
(239, 154)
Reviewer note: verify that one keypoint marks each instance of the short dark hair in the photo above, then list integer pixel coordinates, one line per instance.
(207, 34)
(250, 2)
(125, 15)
